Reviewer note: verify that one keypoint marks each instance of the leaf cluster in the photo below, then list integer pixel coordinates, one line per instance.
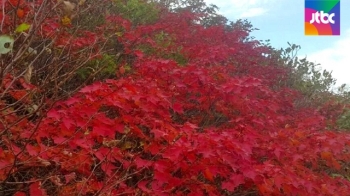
(161, 98)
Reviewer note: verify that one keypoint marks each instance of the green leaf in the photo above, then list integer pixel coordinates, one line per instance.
(6, 44)
(22, 27)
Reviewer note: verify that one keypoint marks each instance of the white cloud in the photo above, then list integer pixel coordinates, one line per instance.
(335, 58)
(242, 9)
(253, 12)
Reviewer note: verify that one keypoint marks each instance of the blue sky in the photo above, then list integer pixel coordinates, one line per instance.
(282, 21)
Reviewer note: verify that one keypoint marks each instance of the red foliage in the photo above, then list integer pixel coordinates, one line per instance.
(213, 127)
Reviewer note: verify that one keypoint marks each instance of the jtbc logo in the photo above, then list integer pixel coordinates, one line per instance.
(317, 16)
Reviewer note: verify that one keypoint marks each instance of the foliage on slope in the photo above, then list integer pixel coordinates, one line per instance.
(141, 100)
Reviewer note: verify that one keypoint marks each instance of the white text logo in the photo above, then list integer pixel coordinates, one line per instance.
(316, 17)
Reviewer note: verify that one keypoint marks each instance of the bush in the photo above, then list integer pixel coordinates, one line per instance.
(146, 101)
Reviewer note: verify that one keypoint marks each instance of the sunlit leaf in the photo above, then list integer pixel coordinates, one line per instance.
(22, 27)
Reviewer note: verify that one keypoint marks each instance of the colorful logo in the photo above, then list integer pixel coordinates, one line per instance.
(322, 17)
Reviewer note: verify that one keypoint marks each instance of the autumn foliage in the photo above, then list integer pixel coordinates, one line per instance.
(115, 103)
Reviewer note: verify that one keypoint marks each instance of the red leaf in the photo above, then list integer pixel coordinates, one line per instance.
(189, 127)
(19, 95)
(69, 177)
(178, 108)
(278, 181)
(162, 177)
(59, 140)
(153, 148)
(33, 150)
(122, 70)
(35, 190)
(19, 194)
(277, 152)
(72, 101)
(249, 173)
(83, 143)
(208, 175)
(335, 164)
(130, 88)
(158, 133)
(119, 128)
(235, 181)
(138, 53)
(327, 156)
(54, 114)
(102, 153)
(108, 168)
(20, 13)
(173, 153)
(91, 88)
(137, 131)
(103, 130)
(142, 186)
(140, 163)
(68, 122)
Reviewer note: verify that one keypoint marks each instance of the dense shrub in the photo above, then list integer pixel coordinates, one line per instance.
(135, 98)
